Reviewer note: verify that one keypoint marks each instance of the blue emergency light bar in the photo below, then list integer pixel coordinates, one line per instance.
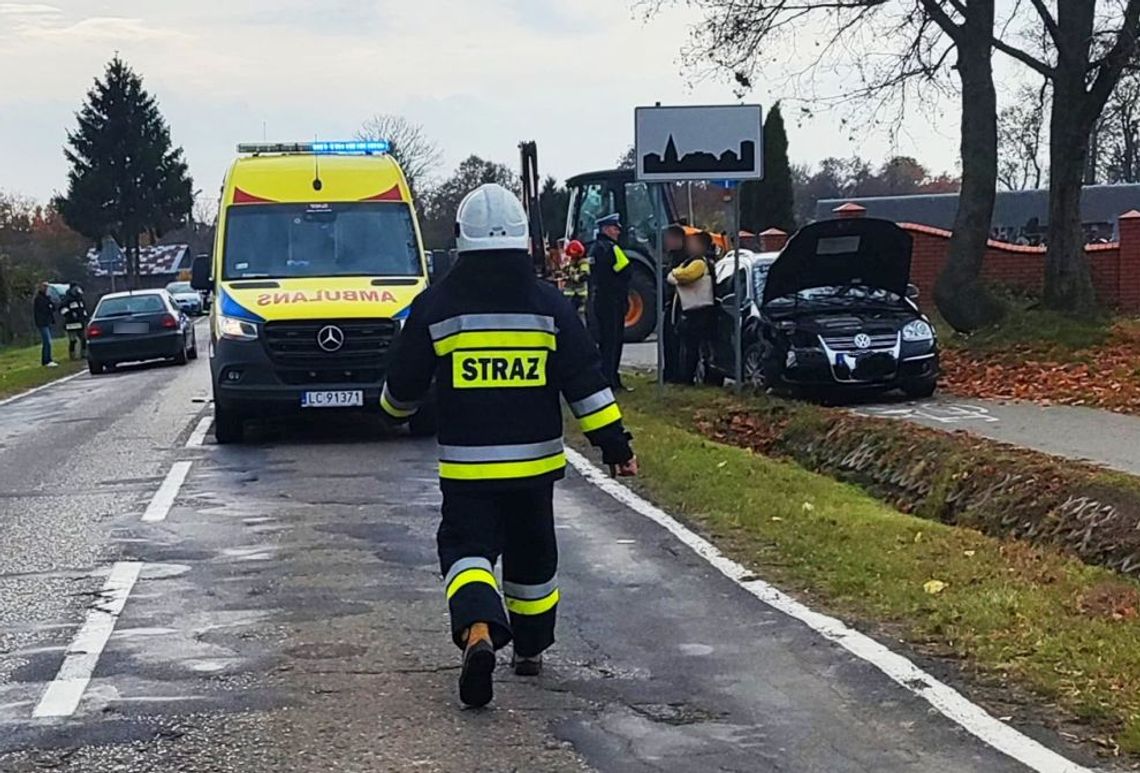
(347, 148)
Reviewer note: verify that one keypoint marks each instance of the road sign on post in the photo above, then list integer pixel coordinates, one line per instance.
(724, 143)
(111, 258)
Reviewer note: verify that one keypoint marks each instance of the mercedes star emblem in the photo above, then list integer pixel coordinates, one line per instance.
(330, 338)
(863, 341)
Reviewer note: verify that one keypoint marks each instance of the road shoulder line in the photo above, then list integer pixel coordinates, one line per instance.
(164, 498)
(943, 698)
(42, 387)
(62, 696)
(198, 436)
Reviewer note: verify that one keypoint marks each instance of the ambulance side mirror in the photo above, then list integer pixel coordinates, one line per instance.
(200, 269)
(441, 262)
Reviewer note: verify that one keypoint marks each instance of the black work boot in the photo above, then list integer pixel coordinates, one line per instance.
(525, 666)
(476, 687)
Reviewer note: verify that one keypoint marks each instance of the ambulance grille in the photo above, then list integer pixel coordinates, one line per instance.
(294, 349)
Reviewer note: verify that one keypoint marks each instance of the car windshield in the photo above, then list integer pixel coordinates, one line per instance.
(130, 304)
(280, 241)
(831, 294)
(179, 288)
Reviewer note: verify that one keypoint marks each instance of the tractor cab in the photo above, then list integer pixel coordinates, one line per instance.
(596, 194)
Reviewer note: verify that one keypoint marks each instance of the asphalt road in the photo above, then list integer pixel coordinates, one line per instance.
(1102, 437)
(281, 610)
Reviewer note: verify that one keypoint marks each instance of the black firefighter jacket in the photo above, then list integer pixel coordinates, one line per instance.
(502, 348)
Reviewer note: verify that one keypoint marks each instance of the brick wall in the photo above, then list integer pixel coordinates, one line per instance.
(1115, 267)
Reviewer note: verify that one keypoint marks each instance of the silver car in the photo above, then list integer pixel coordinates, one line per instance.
(187, 298)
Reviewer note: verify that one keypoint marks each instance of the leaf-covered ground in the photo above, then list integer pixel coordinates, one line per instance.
(1049, 359)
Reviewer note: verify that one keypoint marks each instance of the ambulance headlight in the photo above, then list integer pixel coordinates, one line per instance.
(236, 329)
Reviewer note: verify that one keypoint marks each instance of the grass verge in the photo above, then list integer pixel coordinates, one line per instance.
(1018, 616)
(20, 367)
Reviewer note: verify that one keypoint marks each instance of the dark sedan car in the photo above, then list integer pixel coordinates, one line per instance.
(137, 326)
(833, 309)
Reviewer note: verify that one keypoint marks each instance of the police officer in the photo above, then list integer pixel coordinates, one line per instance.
(501, 347)
(609, 295)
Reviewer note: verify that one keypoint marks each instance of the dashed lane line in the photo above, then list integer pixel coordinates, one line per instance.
(198, 436)
(164, 498)
(945, 699)
(62, 696)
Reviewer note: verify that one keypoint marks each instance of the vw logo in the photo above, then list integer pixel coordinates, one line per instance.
(862, 341)
(330, 338)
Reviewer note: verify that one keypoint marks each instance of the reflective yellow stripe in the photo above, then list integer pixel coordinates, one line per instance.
(468, 577)
(501, 470)
(520, 607)
(599, 419)
(500, 339)
(621, 260)
(392, 410)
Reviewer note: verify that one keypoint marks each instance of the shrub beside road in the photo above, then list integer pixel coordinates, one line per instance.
(1018, 619)
(20, 367)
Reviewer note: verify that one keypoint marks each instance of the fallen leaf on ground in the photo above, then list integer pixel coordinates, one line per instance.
(934, 587)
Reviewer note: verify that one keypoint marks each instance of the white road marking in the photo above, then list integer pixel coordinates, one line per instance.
(198, 436)
(62, 696)
(42, 387)
(945, 699)
(943, 414)
(164, 498)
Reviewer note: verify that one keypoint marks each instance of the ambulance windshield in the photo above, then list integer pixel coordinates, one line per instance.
(282, 241)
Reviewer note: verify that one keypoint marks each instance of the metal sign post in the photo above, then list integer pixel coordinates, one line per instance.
(660, 216)
(695, 142)
(738, 292)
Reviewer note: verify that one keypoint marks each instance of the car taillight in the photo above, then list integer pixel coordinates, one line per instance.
(94, 331)
(169, 322)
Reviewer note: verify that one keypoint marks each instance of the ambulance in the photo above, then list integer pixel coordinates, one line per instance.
(316, 261)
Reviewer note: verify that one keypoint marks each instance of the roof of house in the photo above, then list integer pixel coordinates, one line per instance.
(159, 260)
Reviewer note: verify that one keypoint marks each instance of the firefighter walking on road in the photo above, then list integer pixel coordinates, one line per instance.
(502, 348)
(609, 295)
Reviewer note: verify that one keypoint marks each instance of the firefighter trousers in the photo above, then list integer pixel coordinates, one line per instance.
(518, 525)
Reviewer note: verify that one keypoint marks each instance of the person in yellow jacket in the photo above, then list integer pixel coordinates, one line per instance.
(694, 303)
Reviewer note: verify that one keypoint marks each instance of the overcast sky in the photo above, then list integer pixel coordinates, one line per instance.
(480, 76)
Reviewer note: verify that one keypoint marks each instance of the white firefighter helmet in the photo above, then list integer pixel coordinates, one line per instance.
(491, 218)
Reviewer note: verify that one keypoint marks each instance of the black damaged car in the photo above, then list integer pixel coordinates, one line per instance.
(833, 309)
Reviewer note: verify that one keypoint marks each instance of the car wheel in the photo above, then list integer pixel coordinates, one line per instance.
(193, 353)
(229, 427)
(94, 366)
(920, 390)
(182, 357)
(755, 368)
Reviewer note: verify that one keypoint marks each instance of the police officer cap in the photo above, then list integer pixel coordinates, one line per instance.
(614, 219)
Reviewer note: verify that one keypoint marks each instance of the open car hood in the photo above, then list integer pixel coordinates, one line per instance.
(865, 251)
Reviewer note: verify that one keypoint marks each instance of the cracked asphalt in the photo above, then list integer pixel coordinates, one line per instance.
(289, 616)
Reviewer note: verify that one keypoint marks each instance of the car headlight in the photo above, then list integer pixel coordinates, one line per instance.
(236, 329)
(918, 330)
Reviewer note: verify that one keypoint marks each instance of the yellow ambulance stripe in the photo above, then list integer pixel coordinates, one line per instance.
(521, 607)
(468, 577)
(501, 470)
(496, 339)
(599, 419)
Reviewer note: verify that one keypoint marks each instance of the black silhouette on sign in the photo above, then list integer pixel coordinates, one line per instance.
(690, 163)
